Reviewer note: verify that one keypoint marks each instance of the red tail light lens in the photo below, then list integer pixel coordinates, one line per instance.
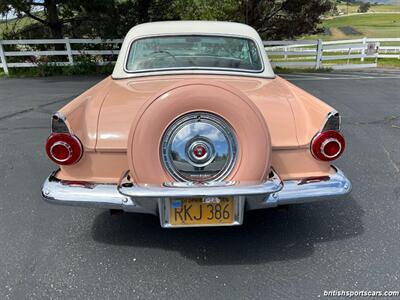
(328, 145)
(63, 148)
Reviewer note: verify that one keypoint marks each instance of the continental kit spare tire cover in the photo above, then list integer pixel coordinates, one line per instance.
(199, 130)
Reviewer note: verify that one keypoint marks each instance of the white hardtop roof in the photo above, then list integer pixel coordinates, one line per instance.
(194, 28)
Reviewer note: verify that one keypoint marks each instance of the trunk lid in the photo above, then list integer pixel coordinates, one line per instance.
(272, 96)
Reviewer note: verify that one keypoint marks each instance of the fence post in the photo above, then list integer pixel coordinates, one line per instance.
(3, 58)
(378, 46)
(69, 50)
(319, 54)
(363, 49)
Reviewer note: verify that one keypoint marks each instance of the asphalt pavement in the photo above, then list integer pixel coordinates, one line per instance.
(49, 251)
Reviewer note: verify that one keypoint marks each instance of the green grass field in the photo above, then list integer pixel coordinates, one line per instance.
(374, 25)
(387, 63)
(352, 8)
(15, 25)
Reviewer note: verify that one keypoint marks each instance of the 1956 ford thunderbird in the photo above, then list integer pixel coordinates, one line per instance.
(195, 127)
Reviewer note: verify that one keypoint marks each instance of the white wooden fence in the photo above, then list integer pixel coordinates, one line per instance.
(293, 54)
(24, 49)
(333, 54)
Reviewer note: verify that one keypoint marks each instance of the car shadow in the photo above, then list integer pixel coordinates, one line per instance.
(266, 235)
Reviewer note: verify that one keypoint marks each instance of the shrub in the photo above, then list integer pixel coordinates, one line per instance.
(364, 7)
(348, 30)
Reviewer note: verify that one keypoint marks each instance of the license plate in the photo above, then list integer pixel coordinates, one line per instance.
(201, 211)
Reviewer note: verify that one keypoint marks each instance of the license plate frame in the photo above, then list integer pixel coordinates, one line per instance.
(165, 206)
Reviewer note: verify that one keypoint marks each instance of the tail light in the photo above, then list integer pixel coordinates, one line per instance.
(64, 148)
(328, 145)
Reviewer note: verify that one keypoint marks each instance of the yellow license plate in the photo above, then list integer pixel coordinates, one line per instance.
(201, 211)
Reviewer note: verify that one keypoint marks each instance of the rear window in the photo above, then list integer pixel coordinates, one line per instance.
(194, 52)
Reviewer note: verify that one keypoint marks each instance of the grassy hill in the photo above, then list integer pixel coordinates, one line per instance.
(352, 8)
(15, 25)
(359, 25)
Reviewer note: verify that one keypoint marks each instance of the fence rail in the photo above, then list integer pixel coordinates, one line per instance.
(66, 57)
(343, 54)
(293, 54)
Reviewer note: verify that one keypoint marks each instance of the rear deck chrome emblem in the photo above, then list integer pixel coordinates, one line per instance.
(200, 152)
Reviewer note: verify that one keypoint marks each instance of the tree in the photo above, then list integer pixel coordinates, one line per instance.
(273, 19)
(76, 18)
(55, 14)
(364, 7)
(45, 12)
(129, 13)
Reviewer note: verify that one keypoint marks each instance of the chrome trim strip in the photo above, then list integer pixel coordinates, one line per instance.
(64, 144)
(331, 114)
(58, 123)
(149, 71)
(326, 142)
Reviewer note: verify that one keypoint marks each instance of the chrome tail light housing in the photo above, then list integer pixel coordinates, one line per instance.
(333, 122)
(61, 146)
(58, 124)
(329, 143)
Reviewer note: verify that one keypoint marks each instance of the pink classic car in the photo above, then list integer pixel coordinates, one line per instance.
(194, 126)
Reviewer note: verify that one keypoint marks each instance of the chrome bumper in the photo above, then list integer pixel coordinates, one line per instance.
(146, 199)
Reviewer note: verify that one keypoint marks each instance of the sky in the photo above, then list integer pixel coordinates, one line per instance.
(11, 14)
(8, 16)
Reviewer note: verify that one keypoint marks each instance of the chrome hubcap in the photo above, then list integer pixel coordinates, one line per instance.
(200, 152)
(199, 147)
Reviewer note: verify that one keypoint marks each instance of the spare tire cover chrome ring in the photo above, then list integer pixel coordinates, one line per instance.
(204, 131)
